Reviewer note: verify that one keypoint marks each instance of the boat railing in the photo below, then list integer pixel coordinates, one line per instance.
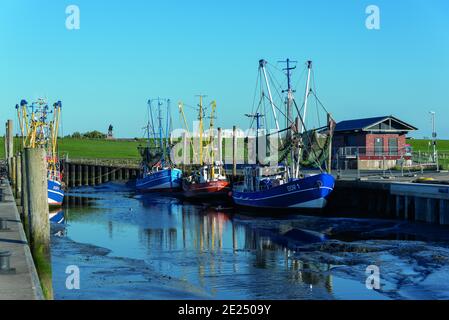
(242, 187)
(54, 175)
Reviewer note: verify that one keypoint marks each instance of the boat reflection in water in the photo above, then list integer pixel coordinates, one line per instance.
(57, 216)
(216, 252)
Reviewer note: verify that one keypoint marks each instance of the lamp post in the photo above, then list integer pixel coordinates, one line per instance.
(434, 137)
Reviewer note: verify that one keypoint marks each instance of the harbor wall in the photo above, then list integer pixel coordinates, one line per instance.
(78, 173)
(417, 202)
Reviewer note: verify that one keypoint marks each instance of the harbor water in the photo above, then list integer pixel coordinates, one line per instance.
(132, 246)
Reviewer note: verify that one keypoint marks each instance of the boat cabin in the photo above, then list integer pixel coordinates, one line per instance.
(257, 178)
(206, 174)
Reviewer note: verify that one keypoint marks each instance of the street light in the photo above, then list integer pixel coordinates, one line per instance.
(434, 137)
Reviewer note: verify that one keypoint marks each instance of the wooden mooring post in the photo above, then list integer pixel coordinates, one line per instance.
(12, 174)
(9, 144)
(18, 186)
(25, 210)
(36, 169)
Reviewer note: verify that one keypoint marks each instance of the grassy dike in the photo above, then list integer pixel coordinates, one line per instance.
(127, 149)
(424, 145)
(92, 148)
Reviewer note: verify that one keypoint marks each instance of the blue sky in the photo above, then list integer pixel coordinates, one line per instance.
(129, 51)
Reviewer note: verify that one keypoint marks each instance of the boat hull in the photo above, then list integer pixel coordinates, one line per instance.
(307, 193)
(163, 180)
(214, 189)
(57, 216)
(55, 193)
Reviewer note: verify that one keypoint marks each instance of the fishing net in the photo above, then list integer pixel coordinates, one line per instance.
(150, 156)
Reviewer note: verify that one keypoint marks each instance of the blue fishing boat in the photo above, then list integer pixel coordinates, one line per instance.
(277, 191)
(159, 179)
(57, 216)
(38, 131)
(285, 186)
(55, 193)
(158, 173)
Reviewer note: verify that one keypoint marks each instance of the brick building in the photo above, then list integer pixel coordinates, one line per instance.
(371, 143)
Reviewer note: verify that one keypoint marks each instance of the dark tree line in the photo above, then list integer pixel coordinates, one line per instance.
(87, 135)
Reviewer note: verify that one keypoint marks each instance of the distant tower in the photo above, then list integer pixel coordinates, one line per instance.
(110, 134)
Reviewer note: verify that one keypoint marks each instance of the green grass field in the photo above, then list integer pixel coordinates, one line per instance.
(424, 145)
(92, 149)
(99, 149)
(127, 149)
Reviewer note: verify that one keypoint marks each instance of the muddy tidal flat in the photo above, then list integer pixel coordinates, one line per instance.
(132, 246)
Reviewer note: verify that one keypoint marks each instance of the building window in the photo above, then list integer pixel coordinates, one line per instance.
(378, 146)
(393, 146)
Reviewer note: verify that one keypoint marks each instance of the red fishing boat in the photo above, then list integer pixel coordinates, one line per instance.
(208, 182)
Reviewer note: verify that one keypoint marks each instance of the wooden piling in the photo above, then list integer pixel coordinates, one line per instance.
(12, 174)
(9, 139)
(92, 175)
(420, 208)
(399, 206)
(80, 176)
(19, 178)
(72, 175)
(406, 207)
(36, 164)
(66, 172)
(444, 212)
(100, 175)
(86, 175)
(106, 174)
(432, 215)
(25, 211)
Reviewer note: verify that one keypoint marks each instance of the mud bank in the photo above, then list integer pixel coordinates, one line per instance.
(105, 277)
(409, 269)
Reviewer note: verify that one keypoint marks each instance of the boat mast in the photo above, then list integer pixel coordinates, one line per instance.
(148, 125)
(167, 130)
(306, 98)
(262, 64)
(200, 118)
(211, 138)
(161, 144)
(306, 94)
(290, 98)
